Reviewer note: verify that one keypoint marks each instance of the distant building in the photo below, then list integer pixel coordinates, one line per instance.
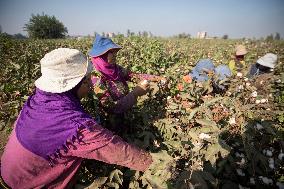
(202, 35)
(110, 34)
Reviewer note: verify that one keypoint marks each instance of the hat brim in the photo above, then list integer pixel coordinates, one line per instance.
(96, 53)
(263, 63)
(56, 86)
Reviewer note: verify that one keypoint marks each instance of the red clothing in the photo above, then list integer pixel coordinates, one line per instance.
(21, 168)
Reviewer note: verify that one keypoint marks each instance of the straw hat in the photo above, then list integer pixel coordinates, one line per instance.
(241, 50)
(62, 69)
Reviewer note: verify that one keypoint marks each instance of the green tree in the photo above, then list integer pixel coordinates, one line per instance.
(19, 36)
(225, 36)
(45, 27)
(269, 37)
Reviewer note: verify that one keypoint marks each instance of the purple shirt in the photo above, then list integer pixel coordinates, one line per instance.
(23, 169)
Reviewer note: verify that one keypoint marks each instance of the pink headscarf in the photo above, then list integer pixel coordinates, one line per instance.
(109, 71)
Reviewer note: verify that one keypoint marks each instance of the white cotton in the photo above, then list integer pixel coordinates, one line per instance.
(169, 97)
(257, 101)
(144, 82)
(259, 126)
(280, 156)
(254, 94)
(239, 74)
(263, 100)
(266, 180)
(271, 165)
(240, 172)
(163, 81)
(246, 79)
(252, 181)
(239, 154)
(204, 136)
(242, 162)
(232, 121)
(240, 87)
(269, 153)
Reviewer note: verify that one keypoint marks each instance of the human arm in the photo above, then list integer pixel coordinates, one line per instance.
(122, 104)
(100, 144)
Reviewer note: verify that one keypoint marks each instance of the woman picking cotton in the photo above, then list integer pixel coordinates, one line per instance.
(110, 80)
(238, 63)
(53, 133)
(264, 64)
(205, 70)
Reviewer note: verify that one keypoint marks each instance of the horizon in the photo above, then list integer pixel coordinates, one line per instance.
(237, 19)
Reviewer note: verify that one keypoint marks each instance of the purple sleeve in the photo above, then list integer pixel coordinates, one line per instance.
(116, 151)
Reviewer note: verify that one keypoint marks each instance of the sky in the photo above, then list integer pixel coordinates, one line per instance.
(236, 18)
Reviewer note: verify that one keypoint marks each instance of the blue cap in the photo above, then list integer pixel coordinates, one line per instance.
(223, 72)
(198, 71)
(101, 45)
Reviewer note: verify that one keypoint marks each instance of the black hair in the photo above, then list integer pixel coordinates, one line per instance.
(76, 88)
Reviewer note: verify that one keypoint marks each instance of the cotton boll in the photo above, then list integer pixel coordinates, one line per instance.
(252, 181)
(144, 82)
(232, 121)
(254, 94)
(240, 172)
(259, 126)
(269, 153)
(281, 156)
(204, 136)
(257, 101)
(266, 180)
(262, 100)
(239, 74)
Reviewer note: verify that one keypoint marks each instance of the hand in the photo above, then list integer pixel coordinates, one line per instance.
(142, 88)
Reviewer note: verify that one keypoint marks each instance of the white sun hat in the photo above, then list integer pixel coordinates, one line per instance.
(268, 60)
(62, 69)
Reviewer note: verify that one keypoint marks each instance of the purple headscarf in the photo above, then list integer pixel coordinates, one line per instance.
(49, 122)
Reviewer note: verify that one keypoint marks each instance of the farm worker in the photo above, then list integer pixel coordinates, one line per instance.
(205, 68)
(53, 134)
(264, 64)
(110, 81)
(202, 70)
(222, 72)
(238, 63)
